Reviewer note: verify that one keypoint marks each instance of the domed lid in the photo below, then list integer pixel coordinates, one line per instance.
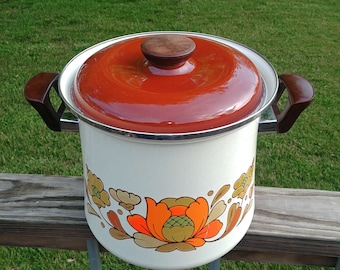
(168, 83)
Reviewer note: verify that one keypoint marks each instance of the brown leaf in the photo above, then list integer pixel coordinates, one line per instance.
(147, 241)
(114, 219)
(91, 210)
(217, 211)
(119, 234)
(247, 208)
(223, 190)
(233, 216)
(173, 246)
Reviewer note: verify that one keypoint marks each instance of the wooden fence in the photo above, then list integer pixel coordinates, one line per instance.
(290, 226)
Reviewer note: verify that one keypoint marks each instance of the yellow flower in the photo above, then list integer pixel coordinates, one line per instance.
(125, 199)
(242, 184)
(95, 188)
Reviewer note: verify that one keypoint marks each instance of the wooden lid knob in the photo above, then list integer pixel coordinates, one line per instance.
(168, 51)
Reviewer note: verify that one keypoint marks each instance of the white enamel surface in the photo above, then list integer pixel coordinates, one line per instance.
(163, 169)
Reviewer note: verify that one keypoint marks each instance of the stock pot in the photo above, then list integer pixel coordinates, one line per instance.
(168, 124)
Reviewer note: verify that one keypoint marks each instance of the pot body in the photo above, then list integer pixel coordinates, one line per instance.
(169, 204)
(169, 201)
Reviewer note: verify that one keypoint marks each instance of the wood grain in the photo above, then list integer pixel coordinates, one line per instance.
(294, 226)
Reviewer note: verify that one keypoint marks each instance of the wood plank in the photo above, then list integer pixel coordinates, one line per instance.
(46, 199)
(314, 214)
(289, 226)
(280, 258)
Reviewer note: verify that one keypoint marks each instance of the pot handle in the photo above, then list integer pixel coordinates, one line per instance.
(300, 95)
(37, 93)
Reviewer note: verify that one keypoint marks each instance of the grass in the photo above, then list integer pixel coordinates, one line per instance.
(295, 36)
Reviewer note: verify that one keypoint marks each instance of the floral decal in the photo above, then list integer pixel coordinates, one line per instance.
(95, 189)
(183, 223)
(242, 184)
(125, 199)
(174, 224)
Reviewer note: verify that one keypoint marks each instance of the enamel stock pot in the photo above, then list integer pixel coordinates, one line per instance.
(168, 124)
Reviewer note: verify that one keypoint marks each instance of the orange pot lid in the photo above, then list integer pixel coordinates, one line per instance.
(167, 83)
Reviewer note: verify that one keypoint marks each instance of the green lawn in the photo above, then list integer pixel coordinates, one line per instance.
(295, 36)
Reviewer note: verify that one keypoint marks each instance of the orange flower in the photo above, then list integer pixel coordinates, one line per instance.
(174, 224)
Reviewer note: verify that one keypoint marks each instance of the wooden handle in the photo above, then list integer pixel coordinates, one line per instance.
(37, 91)
(300, 95)
(168, 51)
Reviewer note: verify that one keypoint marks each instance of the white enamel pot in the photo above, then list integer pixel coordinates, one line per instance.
(169, 200)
